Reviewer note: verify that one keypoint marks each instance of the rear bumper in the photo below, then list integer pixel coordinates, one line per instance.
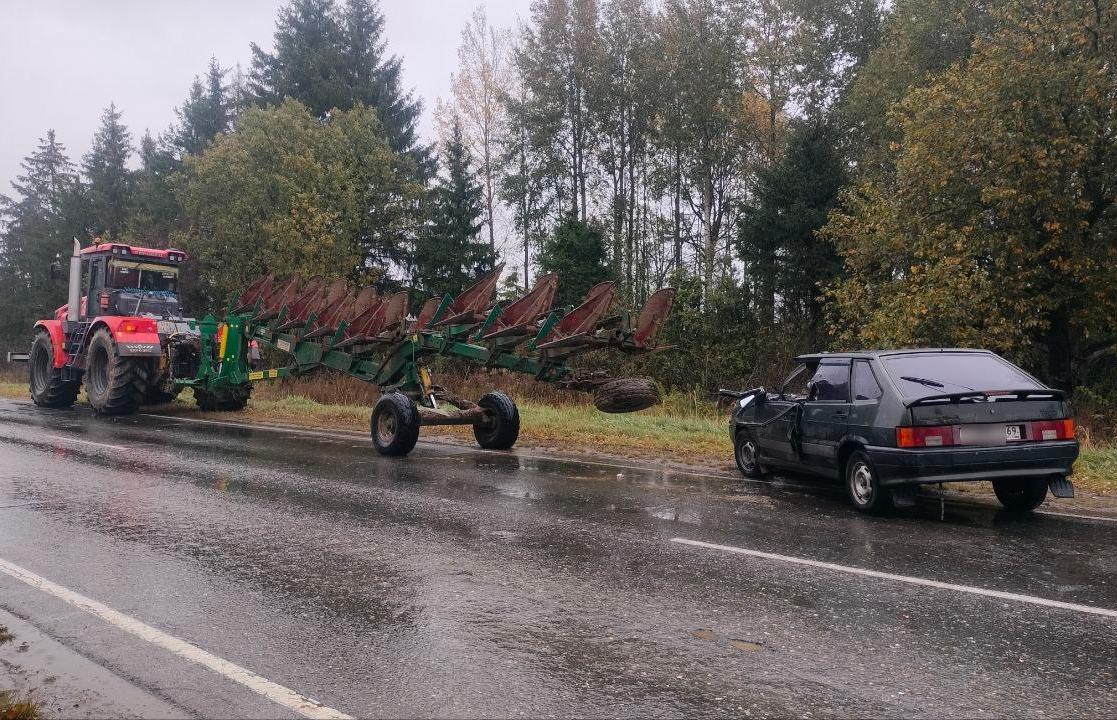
(897, 466)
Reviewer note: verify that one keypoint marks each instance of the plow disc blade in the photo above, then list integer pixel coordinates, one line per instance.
(258, 289)
(426, 314)
(366, 298)
(389, 314)
(471, 305)
(652, 317)
(577, 325)
(519, 317)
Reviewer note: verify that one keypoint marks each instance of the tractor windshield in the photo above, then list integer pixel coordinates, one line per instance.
(145, 276)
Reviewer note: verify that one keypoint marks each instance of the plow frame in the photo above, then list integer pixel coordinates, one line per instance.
(525, 336)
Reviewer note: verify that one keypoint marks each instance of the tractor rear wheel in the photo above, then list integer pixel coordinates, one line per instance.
(48, 389)
(227, 399)
(115, 385)
(502, 422)
(394, 424)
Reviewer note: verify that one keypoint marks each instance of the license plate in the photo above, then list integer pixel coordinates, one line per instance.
(1014, 432)
(983, 434)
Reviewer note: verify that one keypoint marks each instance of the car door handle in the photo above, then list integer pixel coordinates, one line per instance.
(840, 414)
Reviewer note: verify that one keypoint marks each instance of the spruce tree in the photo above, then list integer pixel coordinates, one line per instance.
(329, 56)
(154, 209)
(204, 114)
(38, 227)
(576, 251)
(105, 169)
(451, 254)
(777, 232)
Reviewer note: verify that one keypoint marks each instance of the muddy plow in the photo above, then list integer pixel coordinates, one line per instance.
(374, 338)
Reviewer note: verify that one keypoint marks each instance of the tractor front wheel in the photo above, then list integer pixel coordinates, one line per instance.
(48, 389)
(395, 424)
(115, 385)
(501, 426)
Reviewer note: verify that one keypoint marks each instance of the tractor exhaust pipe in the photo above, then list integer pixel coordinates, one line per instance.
(73, 302)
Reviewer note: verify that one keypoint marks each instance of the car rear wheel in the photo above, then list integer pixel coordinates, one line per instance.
(863, 485)
(746, 454)
(1021, 494)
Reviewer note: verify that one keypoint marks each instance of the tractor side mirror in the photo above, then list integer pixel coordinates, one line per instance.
(56, 270)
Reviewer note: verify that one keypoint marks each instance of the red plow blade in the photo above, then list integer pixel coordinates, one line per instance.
(520, 317)
(577, 326)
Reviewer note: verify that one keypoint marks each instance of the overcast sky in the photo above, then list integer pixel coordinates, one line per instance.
(63, 61)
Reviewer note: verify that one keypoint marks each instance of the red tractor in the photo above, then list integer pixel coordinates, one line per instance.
(116, 333)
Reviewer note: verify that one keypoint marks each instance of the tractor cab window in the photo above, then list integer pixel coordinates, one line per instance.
(146, 276)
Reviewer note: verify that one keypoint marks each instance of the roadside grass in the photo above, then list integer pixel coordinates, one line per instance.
(649, 434)
(1096, 470)
(684, 429)
(14, 708)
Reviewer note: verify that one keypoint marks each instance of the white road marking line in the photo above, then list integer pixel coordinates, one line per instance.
(1000, 595)
(272, 691)
(62, 438)
(1072, 515)
(84, 442)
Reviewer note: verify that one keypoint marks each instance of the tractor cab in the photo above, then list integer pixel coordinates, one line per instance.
(131, 281)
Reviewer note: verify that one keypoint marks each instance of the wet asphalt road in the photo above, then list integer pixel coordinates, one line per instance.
(457, 582)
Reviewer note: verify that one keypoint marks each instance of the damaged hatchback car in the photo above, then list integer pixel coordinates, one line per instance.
(886, 421)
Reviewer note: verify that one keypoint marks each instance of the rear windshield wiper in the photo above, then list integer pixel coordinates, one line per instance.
(922, 381)
(936, 383)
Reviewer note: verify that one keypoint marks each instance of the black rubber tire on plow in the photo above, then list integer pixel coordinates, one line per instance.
(394, 424)
(503, 422)
(626, 395)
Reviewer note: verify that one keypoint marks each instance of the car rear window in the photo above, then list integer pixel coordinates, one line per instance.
(924, 374)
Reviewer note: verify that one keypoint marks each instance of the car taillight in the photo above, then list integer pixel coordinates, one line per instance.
(932, 436)
(1052, 429)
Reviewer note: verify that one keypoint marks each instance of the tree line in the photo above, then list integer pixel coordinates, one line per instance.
(810, 174)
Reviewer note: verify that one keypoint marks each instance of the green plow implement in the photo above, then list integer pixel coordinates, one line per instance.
(318, 324)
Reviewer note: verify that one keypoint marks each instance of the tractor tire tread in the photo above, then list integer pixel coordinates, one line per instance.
(127, 379)
(57, 393)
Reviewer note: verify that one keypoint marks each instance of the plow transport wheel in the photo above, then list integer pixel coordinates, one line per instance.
(626, 395)
(115, 385)
(48, 389)
(395, 424)
(502, 422)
